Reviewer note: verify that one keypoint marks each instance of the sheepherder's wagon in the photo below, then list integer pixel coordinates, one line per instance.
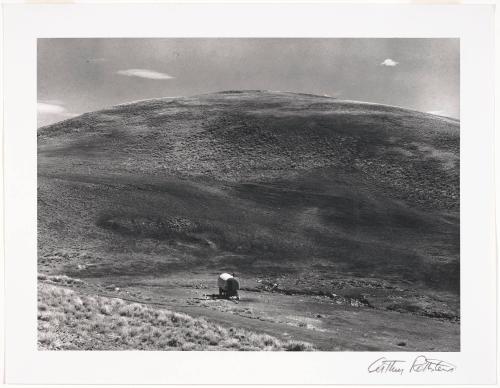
(228, 285)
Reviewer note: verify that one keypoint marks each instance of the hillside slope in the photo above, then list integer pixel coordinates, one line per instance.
(316, 195)
(241, 136)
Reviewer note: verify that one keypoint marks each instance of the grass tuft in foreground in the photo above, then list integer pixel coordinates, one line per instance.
(68, 320)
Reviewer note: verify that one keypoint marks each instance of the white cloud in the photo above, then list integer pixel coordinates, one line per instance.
(389, 62)
(52, 102)
(144, 73)
(51, 109)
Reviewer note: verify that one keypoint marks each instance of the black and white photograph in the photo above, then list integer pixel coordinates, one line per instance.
(248, 194)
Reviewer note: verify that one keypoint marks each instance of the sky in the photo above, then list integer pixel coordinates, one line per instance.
(82, 75)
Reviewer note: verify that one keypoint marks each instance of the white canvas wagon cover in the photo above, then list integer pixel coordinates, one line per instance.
(223, 280)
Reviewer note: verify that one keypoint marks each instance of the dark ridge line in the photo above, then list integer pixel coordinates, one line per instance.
(262, 91)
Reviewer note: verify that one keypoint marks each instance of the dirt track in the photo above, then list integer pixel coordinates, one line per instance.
(313, 319)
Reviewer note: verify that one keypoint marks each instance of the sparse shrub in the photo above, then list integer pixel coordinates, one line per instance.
(121, 322)
(269, 341)
(296, 346)
(105, 310)
(180, 318)
(231, 343)
(69, 308)
(188, 346)
(43, 317)
(46, 338)
(212, 338)
(130, 310)
(174, 342)
(156, 333)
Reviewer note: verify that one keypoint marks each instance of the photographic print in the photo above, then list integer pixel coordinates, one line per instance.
(248, 194)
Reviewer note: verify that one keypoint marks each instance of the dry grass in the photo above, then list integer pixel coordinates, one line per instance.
(68, 320)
